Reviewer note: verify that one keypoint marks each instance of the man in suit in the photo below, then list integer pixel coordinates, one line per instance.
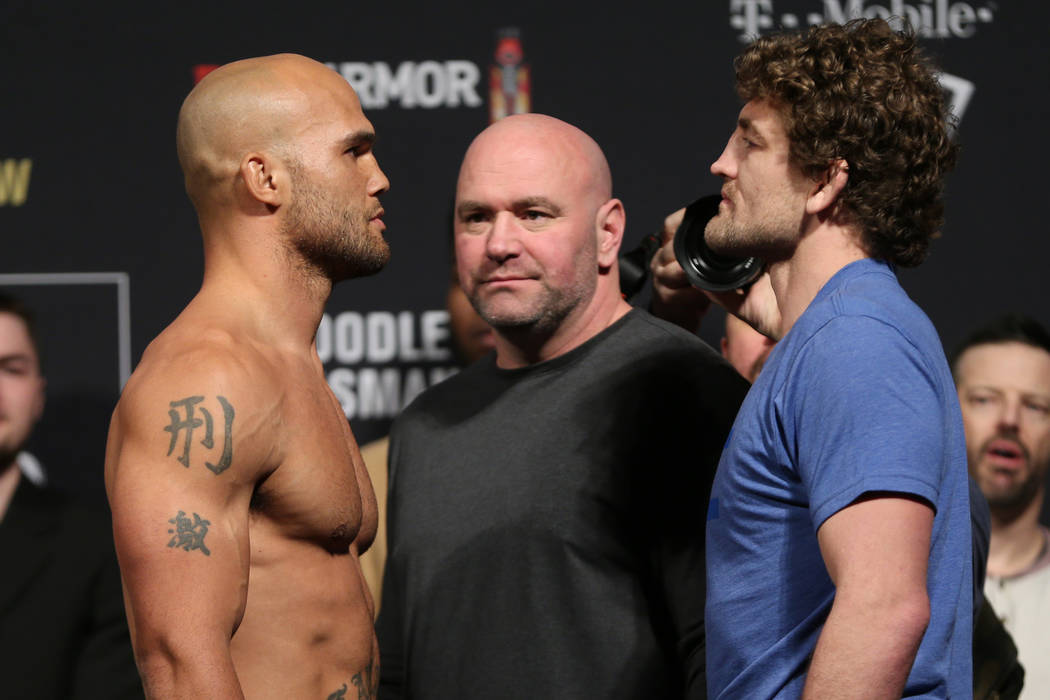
(62, 628)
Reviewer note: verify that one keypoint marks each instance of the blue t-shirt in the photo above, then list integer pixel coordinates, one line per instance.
(856, 398)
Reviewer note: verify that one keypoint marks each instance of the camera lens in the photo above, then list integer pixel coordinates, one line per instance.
(703, 267)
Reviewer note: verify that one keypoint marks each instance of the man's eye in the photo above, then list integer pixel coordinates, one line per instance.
(1040, 408)
(534, 215)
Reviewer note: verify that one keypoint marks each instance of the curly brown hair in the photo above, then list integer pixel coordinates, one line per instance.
(866, 94)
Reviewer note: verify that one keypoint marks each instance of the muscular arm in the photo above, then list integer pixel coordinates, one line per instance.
(876, 552)
(180, 500)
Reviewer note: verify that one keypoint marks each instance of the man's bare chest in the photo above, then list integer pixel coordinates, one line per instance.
(319, 490)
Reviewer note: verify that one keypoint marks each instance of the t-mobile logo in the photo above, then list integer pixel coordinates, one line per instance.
(751, 17)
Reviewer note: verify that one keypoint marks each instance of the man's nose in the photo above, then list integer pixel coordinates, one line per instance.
(1010, 415)
(725, 166)
(377, 182)
(503, 240)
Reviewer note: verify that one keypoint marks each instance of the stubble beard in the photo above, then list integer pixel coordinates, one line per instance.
(541, 316)
(1014, 498)
(773, 236)
(336, 242)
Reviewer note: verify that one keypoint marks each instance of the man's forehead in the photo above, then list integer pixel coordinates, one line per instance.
(14, 336)
(521, 173)
(337, 114)
(762, 117)
(1006, 364)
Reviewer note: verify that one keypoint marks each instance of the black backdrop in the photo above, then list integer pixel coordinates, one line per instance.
(89, 181)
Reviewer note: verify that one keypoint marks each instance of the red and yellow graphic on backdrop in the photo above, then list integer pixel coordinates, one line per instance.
(510, 87)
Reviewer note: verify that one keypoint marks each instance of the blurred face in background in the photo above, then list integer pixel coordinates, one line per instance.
(472, 338)
(1004, 392)
(21, 387)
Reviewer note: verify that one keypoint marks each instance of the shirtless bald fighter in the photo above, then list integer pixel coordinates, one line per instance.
(240, 501)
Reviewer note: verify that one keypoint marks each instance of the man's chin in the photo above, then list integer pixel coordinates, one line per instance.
(1012, 498)
(723, 240)
(363, 263)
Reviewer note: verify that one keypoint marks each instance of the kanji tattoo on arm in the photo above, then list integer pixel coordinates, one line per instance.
(183, 414)
(189, 534)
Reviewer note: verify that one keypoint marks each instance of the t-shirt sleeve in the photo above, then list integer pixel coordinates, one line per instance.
(863, 414)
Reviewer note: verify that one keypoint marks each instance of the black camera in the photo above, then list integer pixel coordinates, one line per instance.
(703, 267)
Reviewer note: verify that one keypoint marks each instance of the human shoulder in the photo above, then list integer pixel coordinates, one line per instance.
(208, 388)
(869, 289)
(211, 357)
(645, 344)
(859, 343)
(655, 332)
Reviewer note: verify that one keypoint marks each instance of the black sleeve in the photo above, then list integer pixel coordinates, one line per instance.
(105, 665)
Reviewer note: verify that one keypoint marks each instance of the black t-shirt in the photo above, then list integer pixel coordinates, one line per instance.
(546, 524)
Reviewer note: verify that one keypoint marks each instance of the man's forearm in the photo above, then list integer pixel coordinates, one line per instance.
(866, 650)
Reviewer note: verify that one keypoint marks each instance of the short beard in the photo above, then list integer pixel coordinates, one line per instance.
(335, 242)
(545, 320)
(762, 241)
(548, 314)
(1015, 500)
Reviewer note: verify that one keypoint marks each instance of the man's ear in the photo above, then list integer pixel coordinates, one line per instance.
(610, 222)
(265, 178)
(827, 189)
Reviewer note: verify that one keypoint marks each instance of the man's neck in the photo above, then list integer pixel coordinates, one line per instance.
(9, 479)
(819, 254)
(266, 289)
(514, 350)
(1017, 541)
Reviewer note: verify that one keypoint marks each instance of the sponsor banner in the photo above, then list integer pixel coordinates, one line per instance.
(377, 362)
(931, 19)
(424, 85)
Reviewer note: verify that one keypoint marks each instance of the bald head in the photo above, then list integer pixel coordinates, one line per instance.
(257, 104)
(537, 235)
(538, 136)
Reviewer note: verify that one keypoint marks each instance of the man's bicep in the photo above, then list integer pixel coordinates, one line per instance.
(180, 514)
(880, 542)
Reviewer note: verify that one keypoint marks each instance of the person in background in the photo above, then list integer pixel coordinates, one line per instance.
(63, 633)
(1002, 371)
